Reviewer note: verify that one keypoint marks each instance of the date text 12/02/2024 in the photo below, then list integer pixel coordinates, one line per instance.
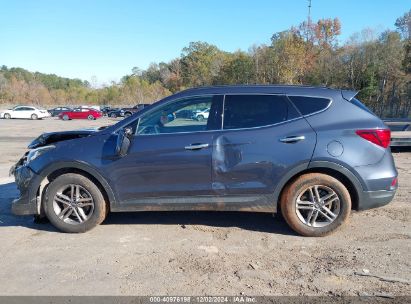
(202, 299)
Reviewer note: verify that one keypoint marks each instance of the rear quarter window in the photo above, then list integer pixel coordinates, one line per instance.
(308, 105)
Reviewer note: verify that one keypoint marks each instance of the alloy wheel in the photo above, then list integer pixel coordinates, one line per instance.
(73, 204)
(318, 206)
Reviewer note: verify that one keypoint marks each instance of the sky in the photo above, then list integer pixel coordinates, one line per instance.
(102, 40)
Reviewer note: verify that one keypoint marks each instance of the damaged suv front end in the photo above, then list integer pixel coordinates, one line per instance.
(29, 183)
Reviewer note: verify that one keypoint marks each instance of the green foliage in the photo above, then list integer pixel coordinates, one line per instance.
(378, 66)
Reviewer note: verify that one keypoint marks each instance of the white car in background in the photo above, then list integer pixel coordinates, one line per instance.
(27, 112)
(200, 115)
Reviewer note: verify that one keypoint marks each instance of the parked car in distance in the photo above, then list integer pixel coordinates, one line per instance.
(26, 112)
(185, 113)
(80, 113)
(56, 111)
(114, 113)
(312, 153)
(130, 111)
(200, 115)
(105, 110)
(398, 124)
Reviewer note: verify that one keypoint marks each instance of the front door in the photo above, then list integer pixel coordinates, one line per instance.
(170, 154)
(75, 113)
(20, 112)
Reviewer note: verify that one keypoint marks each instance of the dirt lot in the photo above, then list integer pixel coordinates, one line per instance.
(194, 253)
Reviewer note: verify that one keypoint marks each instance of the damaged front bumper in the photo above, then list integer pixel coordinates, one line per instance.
(28, 184)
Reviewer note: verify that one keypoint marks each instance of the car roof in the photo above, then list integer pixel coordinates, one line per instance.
(264, 89)
(23, 106)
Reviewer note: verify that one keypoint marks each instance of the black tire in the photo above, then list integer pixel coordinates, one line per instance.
(90, 117)
(34, 117)
(96, 216)
(127, 114)
(113, 115)
(7, 116)
(200, 117)
(298, 189)
(66, 117)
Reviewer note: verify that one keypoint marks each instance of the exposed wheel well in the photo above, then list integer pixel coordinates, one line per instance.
(334, 173)
(53, 175)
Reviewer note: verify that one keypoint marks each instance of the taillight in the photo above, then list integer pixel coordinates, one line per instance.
(380, 137)
(394, 183)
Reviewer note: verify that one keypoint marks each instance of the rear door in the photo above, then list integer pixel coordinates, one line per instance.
(76, 113)
(263, 138)
(85, 113)
(30, 111)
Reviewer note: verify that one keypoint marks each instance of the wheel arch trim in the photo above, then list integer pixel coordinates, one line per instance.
(75, 166)
(358, 184)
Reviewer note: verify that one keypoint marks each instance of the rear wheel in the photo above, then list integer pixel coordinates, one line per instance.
(200, 117)
(315, 204)
(74, 203)
(34, 117)
(113, 115)
(7, 116)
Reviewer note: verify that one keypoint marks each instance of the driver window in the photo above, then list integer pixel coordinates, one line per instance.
(192, 114)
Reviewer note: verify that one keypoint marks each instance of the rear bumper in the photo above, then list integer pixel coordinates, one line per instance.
(377, 180)
(374, 199)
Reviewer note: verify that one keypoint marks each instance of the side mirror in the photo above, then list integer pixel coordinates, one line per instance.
(123, 141)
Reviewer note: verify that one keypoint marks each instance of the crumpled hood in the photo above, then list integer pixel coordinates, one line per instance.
(53, 137)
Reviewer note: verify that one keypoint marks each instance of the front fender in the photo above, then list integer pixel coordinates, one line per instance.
(75, 166)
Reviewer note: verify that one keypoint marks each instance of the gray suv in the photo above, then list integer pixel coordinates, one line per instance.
(312, 153)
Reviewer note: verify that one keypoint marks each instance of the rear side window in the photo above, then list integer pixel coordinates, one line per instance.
(308, 105)
(248, 111)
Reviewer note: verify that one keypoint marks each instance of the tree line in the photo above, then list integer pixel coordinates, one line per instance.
(377, 65)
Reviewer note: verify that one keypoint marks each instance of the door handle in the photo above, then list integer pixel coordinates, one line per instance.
(292, 139)
(196, 146)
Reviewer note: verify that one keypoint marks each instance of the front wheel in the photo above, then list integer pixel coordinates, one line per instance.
(127, 114)
(66, 117)
(90, 117)
(315, 204)
(74, 203)
(34, 117)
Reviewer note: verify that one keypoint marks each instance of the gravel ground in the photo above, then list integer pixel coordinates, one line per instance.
(198, 253)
